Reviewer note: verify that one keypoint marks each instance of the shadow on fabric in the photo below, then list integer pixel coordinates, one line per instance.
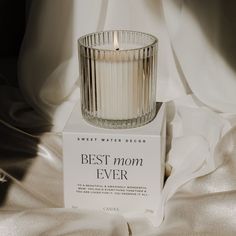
(18, 121)
(218, 22)
(18, 148)
(45, 68)
(21, 126)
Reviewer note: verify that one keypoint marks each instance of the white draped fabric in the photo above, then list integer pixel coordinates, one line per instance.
(196, 49)
(196, 76)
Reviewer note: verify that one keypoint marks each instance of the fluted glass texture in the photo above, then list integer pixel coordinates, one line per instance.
(118, 73)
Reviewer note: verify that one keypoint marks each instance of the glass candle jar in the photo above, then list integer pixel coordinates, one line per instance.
(118, 72)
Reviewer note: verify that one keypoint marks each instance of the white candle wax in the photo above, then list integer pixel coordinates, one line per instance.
(117, 88)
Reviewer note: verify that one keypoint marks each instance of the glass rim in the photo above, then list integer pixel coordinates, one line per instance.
(154, 38)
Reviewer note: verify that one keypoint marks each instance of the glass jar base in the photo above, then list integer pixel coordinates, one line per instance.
(120, 124)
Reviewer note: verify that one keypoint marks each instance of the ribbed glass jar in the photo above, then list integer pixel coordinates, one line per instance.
(118, 72)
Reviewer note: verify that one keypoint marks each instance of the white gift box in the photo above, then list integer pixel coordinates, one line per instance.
(115, 170)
